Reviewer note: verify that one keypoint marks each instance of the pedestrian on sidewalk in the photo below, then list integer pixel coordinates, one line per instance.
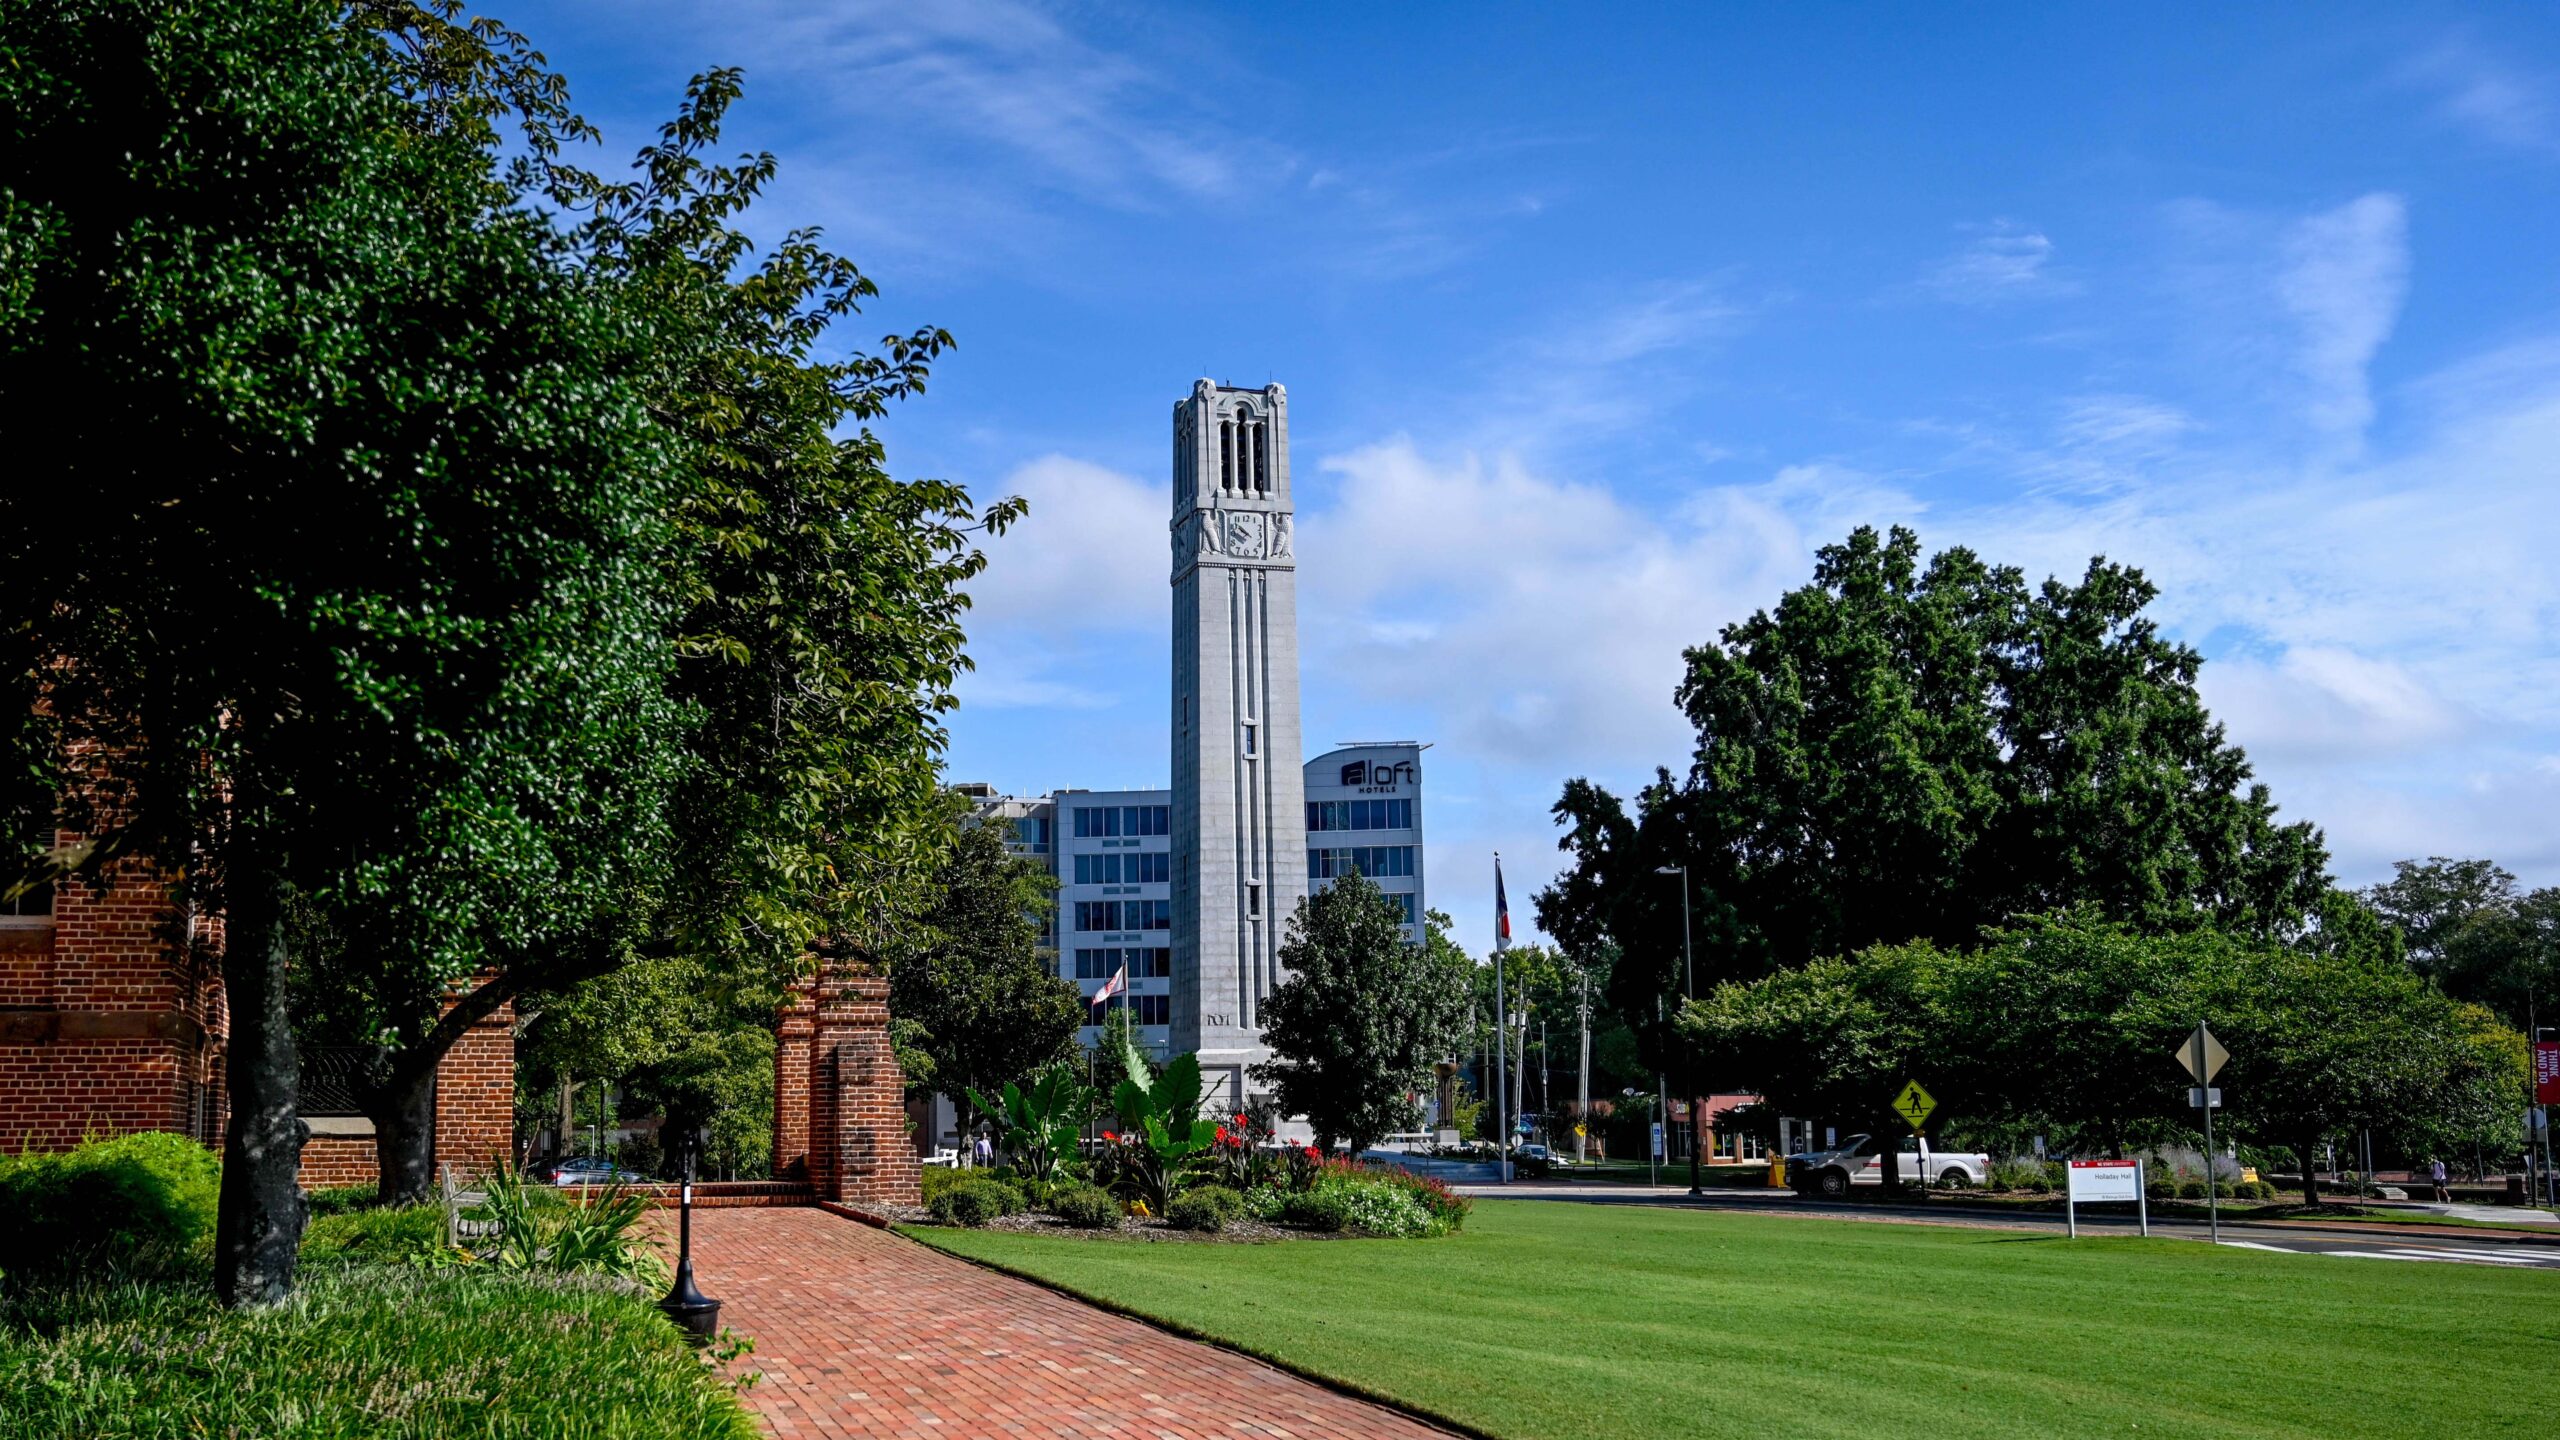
(2435, 1172)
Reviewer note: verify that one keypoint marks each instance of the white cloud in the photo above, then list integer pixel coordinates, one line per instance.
(1091, 552)
(2345, 275)
(2321, 703)
(2489, 97)
(2004, 262)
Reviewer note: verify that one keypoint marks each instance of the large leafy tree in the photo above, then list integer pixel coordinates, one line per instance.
(2482, 937)
(1363, 1016)
(1903, 750)
(973, 977)
(332, 480)
(812, 602)
(2072, 1021)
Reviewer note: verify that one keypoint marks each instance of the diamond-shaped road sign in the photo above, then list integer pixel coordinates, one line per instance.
(2202, 1055)
(1914, 1104)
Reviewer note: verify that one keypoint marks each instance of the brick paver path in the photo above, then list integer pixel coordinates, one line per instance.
(862, 1333)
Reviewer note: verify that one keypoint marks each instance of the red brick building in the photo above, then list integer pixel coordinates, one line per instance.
(112, 1021)
(839, 1098)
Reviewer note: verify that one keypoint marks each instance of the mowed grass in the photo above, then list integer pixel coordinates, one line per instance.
(1568, 1320)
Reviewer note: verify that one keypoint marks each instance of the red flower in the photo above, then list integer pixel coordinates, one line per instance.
(1239, 1122)
(1110, 1138)
(1222, 1134)
(1314, 1154)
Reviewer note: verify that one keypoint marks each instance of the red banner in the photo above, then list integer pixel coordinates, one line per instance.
(2546, 1072)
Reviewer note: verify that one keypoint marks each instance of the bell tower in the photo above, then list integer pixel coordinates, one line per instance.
(1239, 800)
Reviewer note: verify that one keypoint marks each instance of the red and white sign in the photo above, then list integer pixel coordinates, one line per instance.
(2546, 1072)
(2105, 1180)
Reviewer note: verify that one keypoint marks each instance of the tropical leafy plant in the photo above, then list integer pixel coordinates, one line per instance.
(1040, 1123)
(592, 1236)
(1165, 1127)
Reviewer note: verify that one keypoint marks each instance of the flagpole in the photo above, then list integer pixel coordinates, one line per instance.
(1501, 1020)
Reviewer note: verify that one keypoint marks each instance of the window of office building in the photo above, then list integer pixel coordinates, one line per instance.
(1031, 832)
(1143, 1010)
(1360, 814)
(1103, 820)
(1124, 867)
(1124, 915)
(1374, 861)
(1412, 907)
(1145, 962)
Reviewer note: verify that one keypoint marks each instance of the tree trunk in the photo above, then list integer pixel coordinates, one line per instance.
(258, 1221)
(2310, 1177)
(403, 1111)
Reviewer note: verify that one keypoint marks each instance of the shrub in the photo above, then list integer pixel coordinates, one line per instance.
(409, 1234)
(339, 1199)
(1264, 1203)
(2160, 1189)
(2190, 1189)
(1086, 1207)
(2257, 1190)
(2222, 1190)
(360, 1350)
(938, 1178)
(975, 1201)
(1326, 1210)
(141, 1204)
(1208, 1208)
(1387, 1211)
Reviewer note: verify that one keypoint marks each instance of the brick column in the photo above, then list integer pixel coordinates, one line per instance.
(476, 1095)
(795, 1035)
(855, 1119)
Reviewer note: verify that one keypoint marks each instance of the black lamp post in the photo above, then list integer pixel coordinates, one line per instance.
(1688, 990)
(696, 1314)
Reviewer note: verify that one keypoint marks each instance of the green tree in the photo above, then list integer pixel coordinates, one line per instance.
(345, 477)
(992, 1009)
(1901, 751)
(1363, 1016)
(813, 602)
(2469, 925)
(680, 1037)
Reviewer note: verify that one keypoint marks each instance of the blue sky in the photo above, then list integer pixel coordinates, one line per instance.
(1597, 320)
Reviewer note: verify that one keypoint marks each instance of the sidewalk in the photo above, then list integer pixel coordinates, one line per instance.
(861, 1333)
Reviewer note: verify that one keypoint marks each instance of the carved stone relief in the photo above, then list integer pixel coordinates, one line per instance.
(1280, 538)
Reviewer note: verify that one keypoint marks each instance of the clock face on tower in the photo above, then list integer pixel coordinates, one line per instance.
(1244, 533)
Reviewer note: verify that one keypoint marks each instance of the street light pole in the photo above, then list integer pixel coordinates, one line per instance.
(1688, 991)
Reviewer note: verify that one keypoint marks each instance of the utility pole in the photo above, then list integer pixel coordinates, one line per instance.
(1582, 1092)
(1688, 991)
(1501, 1019)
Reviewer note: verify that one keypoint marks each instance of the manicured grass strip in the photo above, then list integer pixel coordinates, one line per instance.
(1548, 1319)
(360, 1350)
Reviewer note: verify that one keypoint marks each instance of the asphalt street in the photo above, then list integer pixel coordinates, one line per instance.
(2504, 1248)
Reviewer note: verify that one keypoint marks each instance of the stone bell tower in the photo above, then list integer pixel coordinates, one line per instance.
(1239, 799)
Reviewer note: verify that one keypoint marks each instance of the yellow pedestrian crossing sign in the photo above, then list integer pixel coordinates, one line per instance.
(1914, 1104)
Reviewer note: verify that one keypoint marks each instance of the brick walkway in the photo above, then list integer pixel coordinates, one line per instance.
(862, 1333)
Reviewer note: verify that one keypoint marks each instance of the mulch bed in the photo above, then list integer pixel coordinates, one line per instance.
(1239, 1231)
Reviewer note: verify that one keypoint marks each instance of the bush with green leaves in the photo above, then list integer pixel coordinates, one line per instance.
(975, 1200)
(137, 1204)
(1328, 1210)
(1386, 1211)
(1164, 1126)
(381, 1235)
(1086, 1207)
(362, 1350)
(1265, 1202)
(1205, 1208)
(1040, 1124)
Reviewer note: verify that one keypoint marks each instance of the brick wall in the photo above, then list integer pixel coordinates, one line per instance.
(112, 1020)
(839, 1098)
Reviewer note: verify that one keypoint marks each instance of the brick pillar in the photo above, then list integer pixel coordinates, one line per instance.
(855, 1119)
(476, 1095)
(794, 1038)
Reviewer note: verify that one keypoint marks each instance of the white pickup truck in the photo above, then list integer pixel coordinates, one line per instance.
(1859, 1161)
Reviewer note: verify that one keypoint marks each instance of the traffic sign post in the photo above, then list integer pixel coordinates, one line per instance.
(2204, 1056)
(1914, 1105)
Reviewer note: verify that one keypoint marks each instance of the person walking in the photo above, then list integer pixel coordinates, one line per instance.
(2435, 1172)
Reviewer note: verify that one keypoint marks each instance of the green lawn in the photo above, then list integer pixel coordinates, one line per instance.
(1554, 1319)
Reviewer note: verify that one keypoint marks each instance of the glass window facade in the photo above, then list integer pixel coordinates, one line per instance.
(1124, 915)
(1102, 820)
(1145, 962)
(1125, 867)
(1143, 1009)
(1359, 815)
(1031, 832)
(1374, 861)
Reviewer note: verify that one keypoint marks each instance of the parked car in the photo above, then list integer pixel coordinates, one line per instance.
(1532, 1162)
(1858, 1160)
(591, 1170)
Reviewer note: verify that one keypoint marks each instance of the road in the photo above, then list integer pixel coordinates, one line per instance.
(2501, 1248)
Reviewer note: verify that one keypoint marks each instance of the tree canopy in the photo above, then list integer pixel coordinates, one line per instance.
(1363, 1017)
(989, 1006)
(1905, 751)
